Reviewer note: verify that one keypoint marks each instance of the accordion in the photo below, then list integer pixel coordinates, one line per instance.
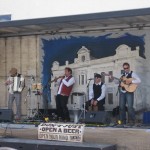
(18, 84)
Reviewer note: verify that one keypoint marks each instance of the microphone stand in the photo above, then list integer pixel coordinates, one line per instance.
(88, 87)
(45, 97)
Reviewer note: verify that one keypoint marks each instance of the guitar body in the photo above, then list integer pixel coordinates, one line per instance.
(128, 87)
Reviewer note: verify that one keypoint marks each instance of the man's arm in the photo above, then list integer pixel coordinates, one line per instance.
(8, 81)
(69, 83)
(103, 94)
(136, 78)
(90, 93)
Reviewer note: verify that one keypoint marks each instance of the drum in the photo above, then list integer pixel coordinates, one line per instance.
(34, 87)
(39, 86)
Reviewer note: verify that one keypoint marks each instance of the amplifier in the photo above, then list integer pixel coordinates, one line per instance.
(6, 115)
(98, 117)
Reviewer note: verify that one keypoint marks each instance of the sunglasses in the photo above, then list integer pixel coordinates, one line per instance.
(125, 68)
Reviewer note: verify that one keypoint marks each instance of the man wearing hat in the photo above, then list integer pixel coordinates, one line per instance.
(15, 83)
(96, 95)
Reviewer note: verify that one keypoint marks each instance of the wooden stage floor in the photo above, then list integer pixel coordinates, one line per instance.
(124, 138)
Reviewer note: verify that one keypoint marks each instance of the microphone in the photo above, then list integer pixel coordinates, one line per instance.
(32, 77)
(91, 79)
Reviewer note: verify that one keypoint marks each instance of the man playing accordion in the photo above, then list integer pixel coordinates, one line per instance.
(15, 84)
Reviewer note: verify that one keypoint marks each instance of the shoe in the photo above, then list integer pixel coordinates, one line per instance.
(120, 125)
(66, 120)
(60, 119)
(131, 124)
(17, 119)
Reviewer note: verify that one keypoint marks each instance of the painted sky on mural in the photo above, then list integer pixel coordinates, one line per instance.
(24, 9)
(62, 49)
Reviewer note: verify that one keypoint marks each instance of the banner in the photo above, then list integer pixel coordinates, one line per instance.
(61, 132)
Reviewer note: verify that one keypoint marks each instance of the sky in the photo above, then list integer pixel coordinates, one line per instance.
(28, 9)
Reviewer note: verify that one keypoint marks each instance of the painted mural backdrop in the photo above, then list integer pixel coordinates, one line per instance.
(62, 48)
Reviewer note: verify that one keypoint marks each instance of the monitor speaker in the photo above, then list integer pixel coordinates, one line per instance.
(102, 117)
(6, 115)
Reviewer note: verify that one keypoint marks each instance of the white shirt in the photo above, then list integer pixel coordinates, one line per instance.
(103, 92)
(67, 83)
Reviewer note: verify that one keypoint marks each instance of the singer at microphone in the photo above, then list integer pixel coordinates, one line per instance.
(96, 95)
(64, 91)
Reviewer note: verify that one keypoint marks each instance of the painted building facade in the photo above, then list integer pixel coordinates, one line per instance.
(84, 68)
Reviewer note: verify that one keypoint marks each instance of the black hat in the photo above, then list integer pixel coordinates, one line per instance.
(98, 76)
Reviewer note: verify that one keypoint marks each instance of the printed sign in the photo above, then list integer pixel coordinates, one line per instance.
(61, 132)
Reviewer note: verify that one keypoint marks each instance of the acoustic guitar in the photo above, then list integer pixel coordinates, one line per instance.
(123, 83)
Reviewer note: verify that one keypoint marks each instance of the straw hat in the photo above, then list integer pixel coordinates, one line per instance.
(13, 71)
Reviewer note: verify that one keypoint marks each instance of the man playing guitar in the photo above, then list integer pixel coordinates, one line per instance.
(127, 96)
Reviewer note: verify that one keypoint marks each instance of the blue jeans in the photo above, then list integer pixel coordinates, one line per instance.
(126, 98)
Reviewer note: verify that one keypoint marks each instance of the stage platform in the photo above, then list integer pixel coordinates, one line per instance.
(135, 138)
(52, 145)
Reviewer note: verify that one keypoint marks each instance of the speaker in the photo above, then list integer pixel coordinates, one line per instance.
(146, 117)
(102, 117)
(6, 115)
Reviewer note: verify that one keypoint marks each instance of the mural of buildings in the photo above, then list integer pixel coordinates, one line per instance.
(35, 47)
(84, 68)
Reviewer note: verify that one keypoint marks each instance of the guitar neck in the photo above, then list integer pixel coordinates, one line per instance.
(116, 78)
(112, 76)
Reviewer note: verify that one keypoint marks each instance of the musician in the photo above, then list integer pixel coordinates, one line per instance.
(65, 87)
(15, 83)
(96, 95)
(127, 97)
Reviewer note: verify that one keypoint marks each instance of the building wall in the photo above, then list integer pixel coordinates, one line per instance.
(139, 64)
(84, 69)
(26, 53)
(22, 53)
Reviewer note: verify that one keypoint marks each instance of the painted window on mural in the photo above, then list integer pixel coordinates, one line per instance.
(110, 98)
(111, 74)
(83, 58)
(82, 79)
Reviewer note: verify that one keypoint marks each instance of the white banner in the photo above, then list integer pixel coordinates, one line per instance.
(61, 132)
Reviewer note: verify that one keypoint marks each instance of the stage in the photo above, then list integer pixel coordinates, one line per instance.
(135, 138)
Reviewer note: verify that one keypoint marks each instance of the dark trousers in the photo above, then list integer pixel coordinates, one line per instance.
(45, 104)
(61, 106)
(100, 105)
